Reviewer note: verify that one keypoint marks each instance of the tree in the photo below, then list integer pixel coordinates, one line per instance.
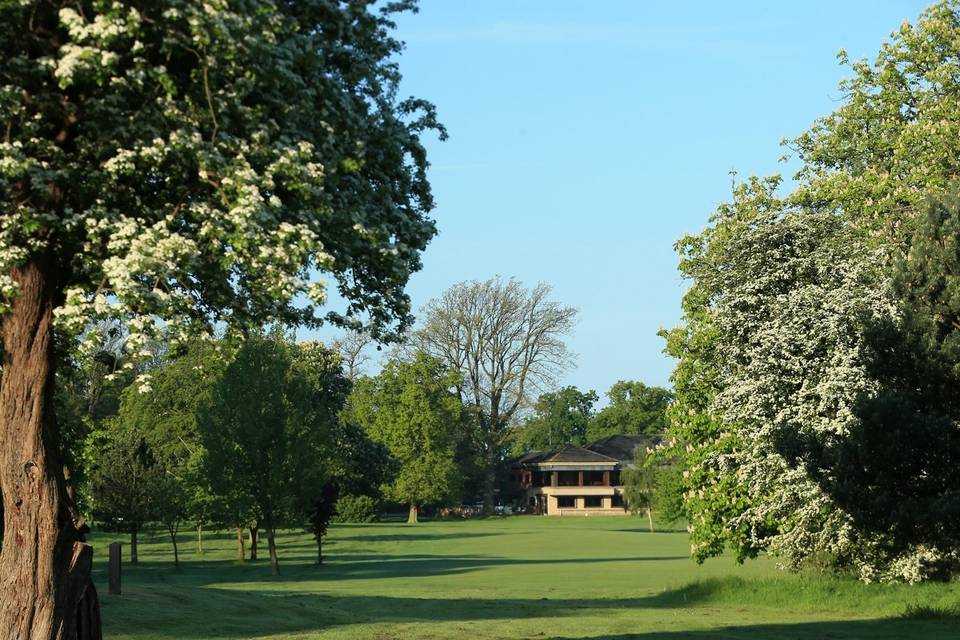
(352, 348)
(640, 484)
(412, 409)
(506, 342)
(634, 409)
(178, 162)
(165, 412)
(323, 510)
(559, 417)
(122, 483)
(265, 430)
(871, 163)
(169, 499)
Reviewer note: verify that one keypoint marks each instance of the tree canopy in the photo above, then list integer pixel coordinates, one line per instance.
(173, 164)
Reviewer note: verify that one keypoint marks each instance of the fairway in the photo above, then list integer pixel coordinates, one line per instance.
(519, 577)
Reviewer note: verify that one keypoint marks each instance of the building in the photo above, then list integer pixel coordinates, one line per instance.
(576, 481)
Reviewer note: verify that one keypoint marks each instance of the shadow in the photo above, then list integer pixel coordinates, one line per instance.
(186, 613)
(880, 629)
(415, 537)
(354, 566)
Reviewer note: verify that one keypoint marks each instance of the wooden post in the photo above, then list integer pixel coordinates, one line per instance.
(579, 478)
(554, 478)
(606, 478)
(115, 551)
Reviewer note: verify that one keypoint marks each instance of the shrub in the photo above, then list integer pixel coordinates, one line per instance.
(356, 509)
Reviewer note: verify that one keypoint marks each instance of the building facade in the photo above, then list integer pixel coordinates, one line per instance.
(576, 481)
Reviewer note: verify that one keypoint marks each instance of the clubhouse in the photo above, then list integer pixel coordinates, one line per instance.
(576, 481)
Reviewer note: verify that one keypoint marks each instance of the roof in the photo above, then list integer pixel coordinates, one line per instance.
(616, 448)
(621, 447)
(573, 453)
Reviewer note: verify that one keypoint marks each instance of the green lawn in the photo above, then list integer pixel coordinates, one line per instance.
(520, 577)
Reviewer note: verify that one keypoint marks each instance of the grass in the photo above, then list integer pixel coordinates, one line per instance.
(520, 577)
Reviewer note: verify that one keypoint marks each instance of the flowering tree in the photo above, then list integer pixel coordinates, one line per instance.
(871, 163)
(182, 163)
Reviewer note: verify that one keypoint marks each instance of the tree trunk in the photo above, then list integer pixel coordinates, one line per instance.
(176, 554)
(272, 546)
(650, 518)
(414, 511)
(45, 586)
(200, 538)
(253, 543)
(240, 550)
(319, 550)
(134, 558)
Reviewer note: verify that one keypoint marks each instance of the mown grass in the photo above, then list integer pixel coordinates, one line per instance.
(521, 577)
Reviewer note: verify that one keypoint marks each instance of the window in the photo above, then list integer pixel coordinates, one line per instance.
(617, 500)
(566, 502)
(593, 502)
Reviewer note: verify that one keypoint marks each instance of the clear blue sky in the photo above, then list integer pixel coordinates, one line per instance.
(587, 137)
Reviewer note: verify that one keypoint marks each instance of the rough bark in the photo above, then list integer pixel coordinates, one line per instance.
(240, 550)
(414, 512)
(253, 543)
(319, 550)
(134, 557)
(44, 563)
(200, 539)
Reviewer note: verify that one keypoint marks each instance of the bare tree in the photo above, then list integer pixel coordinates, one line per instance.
(352, 348)
(507, 343)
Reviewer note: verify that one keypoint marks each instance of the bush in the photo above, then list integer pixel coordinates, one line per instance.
(356, 509)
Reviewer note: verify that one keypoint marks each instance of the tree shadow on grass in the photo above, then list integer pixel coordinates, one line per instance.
(358, 566)
(199, 612)
(879, 629)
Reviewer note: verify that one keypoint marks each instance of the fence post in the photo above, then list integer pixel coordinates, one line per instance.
(115, 556)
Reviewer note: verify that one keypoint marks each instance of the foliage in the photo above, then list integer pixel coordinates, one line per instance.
(267, 428)
(356, 509)
(506, 342)
(122, 482)
(411, 408)
(256, 141)
(323, 511)
(634, 409)
(763, 408)
(639, 482)
(559, 417)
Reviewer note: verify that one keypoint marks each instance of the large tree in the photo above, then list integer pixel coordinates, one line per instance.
(634, 408)
(894, 139)
(166, 162)
(506, 341)
(411, 408)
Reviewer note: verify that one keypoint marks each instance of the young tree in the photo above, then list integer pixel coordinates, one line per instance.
(169, 500)
(323, 510)
(268, 425)
(506, 342)
(640, 484)
(559, 417)
(171, 162)
(122, 482)
(634, 409)
(412, 409)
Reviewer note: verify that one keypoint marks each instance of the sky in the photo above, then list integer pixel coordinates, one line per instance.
(587, 137)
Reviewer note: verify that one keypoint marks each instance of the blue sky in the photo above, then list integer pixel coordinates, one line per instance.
(587, 137)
